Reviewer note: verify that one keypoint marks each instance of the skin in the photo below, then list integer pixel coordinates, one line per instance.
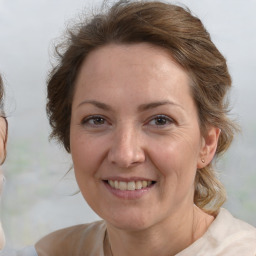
(2, 156)
(2, 138)
(133, 117)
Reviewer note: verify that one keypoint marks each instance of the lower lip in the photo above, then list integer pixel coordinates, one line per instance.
(128, 194)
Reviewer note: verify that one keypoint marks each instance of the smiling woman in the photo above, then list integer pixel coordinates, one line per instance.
(148, 136)
(139, 100)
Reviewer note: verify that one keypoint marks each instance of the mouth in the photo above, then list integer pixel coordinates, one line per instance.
(130, 185)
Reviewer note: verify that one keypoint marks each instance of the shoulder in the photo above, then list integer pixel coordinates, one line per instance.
(80, 239)
(230, 225)
(226, 236)
(230, 233)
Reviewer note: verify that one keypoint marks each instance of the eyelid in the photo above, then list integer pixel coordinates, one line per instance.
(86, 119)
(169, 120)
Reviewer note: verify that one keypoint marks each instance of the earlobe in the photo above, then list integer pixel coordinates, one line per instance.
(209, 146)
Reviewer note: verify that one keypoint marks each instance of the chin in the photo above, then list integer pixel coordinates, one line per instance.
(129, 222)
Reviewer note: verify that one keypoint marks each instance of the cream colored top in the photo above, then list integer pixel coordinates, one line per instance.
(226, 236)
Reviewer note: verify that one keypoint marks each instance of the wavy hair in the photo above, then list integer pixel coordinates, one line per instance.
(183, 35)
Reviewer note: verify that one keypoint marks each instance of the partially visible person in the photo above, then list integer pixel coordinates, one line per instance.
(3, 139)
(28, 251)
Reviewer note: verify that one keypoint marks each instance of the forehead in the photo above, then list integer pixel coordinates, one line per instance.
(136, 73)
(137, 60)
(140, 54)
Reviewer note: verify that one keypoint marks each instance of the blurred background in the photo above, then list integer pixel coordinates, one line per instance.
(38, 197)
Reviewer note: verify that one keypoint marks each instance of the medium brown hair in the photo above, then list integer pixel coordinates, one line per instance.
(167, 26)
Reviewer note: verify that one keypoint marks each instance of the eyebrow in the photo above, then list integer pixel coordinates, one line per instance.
(97, 104)
(148, 106)
(141, 108)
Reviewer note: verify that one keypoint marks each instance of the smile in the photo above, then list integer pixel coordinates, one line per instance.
(131, 185)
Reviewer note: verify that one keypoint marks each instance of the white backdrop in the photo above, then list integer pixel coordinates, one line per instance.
(36, 199)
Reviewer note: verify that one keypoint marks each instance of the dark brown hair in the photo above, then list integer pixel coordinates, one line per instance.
(167, 26)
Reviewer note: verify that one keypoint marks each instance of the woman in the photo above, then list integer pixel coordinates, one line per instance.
(139, 100)
(28, 251)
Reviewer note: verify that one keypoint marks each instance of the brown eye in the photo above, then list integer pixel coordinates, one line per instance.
(160, 120)
(98, 121)
(94, 121)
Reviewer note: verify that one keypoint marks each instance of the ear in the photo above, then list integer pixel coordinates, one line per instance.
(208, 147)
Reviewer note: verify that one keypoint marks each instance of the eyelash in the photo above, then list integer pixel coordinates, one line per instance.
(94, 118)
(167, 120)
(102, 121)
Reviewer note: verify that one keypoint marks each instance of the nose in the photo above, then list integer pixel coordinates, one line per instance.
(126, 148)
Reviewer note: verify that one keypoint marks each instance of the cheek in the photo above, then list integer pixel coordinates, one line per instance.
(176, 151)
(82, 154)
(87, 154)
(176, 159)
(84, 163)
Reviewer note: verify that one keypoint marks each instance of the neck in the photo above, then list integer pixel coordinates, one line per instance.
(164, 239)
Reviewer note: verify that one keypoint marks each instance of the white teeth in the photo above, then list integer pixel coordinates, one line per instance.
(122, 185)
(138, 185)
(131, 185)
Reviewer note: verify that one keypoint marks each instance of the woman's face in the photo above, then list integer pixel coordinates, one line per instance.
(2, 156)
(135, 138)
